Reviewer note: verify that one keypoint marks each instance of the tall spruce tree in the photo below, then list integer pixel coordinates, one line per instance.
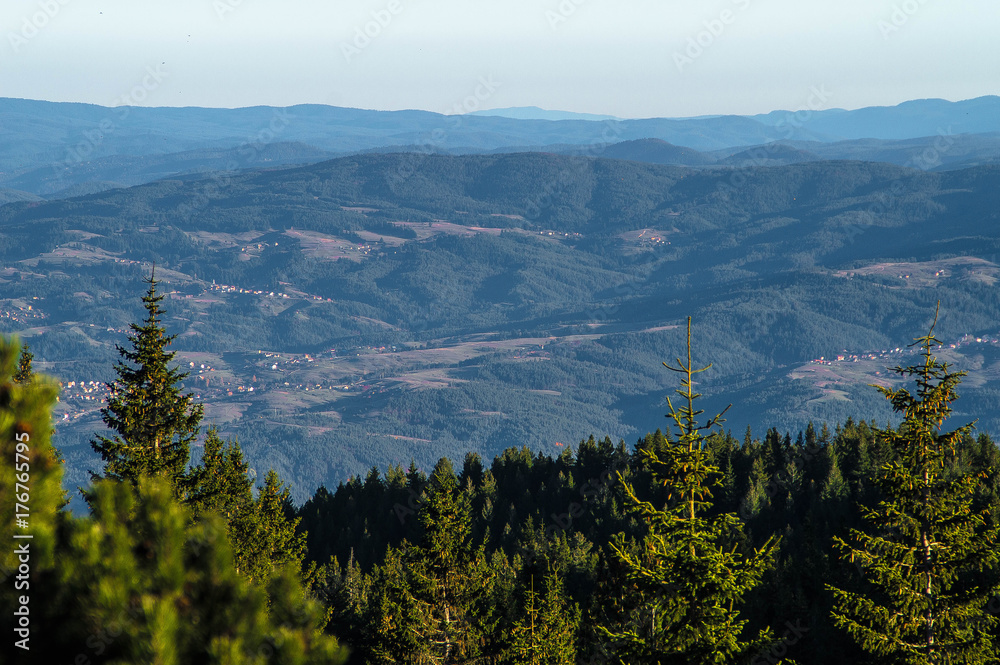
(687, 576)
(154, 424)
(928, 557)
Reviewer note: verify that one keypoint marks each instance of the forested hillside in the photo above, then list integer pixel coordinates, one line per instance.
(382, 308)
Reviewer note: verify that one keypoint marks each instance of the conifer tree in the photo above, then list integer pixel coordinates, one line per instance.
(268, 541)
(24, 371)
(136, 581)
(545, 634)
(433, 601)
(153, 423)
(139, 582)
(349, 594)
(396, 619)
(686, 574)
(261, 530)
(220, 483)
(448, 572)
(31, 495)
(928, 558)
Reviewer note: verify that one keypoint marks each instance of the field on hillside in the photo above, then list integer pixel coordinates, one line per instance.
(334, 318)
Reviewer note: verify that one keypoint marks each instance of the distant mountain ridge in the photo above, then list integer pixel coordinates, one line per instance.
(928, 153)
(912, 119)
(50, 149)
(536, 113)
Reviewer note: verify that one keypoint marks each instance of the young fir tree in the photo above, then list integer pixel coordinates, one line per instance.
(929, 558)
(687, 575)
(449, 574)
(271, 542)
(220, 483)
(545, 634)
(395, 619)
(153, 423)
(24, 371)
(432, 606)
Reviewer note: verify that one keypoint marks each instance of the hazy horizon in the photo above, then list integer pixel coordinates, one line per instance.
(631, 60)
(487, 111)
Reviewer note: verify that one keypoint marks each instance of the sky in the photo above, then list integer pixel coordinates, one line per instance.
(628, 58)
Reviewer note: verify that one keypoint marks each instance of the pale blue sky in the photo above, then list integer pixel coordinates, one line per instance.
(631, 58)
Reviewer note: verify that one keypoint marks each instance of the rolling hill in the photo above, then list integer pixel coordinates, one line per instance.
(379, 308)
(58, 150)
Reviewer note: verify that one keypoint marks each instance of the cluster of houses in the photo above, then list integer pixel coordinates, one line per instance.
(964, 340)
(20, 314)
(86, 391)
(653, 240)
(559, 234)
(257, 246)
(229, 288)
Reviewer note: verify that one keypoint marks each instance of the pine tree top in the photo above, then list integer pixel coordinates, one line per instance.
(24, 372)
(926, 553)
(153, 423)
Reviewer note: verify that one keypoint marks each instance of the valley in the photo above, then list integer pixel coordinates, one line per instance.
(345, 319)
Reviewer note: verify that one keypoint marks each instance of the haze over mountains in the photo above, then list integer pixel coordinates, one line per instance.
(535, 113)
(55, 150)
